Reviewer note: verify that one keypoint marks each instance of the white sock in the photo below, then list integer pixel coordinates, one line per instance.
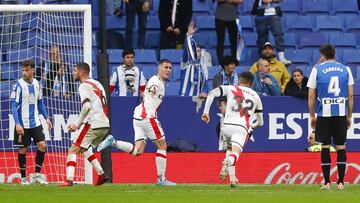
(231, 168)
(70, 166)
(126, 147)
(89, 155)
(233, 157)
(160, 160)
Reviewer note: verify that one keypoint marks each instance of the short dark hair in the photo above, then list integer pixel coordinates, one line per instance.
(227, 60)
(297, 70)
(83, 66)
(128, 52)
(328, 51)
(26, 63)
(246, 77)
(164, 61)
(221, 99)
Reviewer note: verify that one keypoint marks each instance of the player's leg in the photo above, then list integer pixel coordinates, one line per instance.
(39, 139)
(22, 141)
(323, 131)
(232, 172)
(339, 136)
(156, 134)
(72, 152)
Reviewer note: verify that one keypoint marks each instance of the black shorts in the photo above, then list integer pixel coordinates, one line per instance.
(35, 133)
(331, 130)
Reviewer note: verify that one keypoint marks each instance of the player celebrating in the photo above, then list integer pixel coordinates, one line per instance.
(92, 123)
(332, 83)
(146, 124)
(26, 102)
(243, 113)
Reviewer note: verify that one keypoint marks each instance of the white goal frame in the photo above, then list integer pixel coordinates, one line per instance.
(87, 43)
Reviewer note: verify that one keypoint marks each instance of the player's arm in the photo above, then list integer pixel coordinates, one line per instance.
(259, 119)
(350, 97)
(15, 99)
(142, 85)
(85, 109)
(217, 92)
(42, 109)
(312, 96)
(113, 81)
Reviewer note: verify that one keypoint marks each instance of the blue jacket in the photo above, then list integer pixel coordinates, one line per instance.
(266, 90)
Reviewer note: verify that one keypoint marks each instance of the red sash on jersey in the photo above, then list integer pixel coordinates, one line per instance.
(98, 92)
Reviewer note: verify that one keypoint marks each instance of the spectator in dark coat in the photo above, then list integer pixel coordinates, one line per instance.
(297, 85)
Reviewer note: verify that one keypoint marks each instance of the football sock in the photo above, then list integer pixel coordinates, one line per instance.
(70, 166)
(233, 157)
(90, 156)
(326, 164)
(231, 168)
(341, 164)
(126, 147)
(160, 160)
(22, 164)
(39, 160)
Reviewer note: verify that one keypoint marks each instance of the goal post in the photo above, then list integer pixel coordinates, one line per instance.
(56, 38)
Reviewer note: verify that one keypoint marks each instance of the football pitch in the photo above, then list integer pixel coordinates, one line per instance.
(182, 193)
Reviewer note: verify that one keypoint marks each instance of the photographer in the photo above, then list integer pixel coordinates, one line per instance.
(127, 79)
(264, 82)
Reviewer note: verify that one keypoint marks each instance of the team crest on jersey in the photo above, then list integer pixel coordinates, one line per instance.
(13, 94)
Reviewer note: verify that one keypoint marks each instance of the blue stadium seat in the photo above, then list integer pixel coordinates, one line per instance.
(312, 40)
(200, 8)
(357, 87)
(205, 23)
(352, 24)
(316, 55)
(250, 39)
(342, 40)
(289, 40)
(298, 24)
(306, 70)
(152, 40)
(94, 39)
(145, 56)
(5, 88)
(214, 58)
(247, 7)
(247, 24)
(298, 57)
(176, 72)
(202, 39)
(15, 56)
(212, 71)
(149, 71)
(345, 7)
(115, 23)
(115, 55)
(329, 24)
(351, 57)
(153, 23)
(172, 88)
(213, 40)
(94, 72)
(290, 7)
(95, 22)
(357, 75)
(9, 72)
(154, 7)
(240, 69)
(315, 7)
(174, 55)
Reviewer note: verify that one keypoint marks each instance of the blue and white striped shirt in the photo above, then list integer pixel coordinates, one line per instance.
(26, 102)
(331, 80)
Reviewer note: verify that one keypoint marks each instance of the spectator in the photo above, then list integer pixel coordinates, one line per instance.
(265, 83)
(227, 76)
(277, 68)
(194, 72)
(225, 17)
(114, 7)
(297, 85)
(268, 18)
(62, 84)
(141, 7)
(174, 16)
(127, 79)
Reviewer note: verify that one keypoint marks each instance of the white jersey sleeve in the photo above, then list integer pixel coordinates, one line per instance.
(114, 78)
(312, 79)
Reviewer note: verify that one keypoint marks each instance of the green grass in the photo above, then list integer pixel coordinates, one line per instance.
(182, 193)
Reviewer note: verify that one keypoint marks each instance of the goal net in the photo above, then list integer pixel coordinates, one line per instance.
(56, 38)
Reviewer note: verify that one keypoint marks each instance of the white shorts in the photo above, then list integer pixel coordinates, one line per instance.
(148, 128)
(86, 136)
(236, 134)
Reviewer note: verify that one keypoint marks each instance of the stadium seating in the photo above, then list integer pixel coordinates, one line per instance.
(290, 7)
(315, 7)
(176, 73)
(351, 57)
(145, 56)
(328, 24)
(298, 57)
(174, 55)
(212, 71)
(115, 55)
(342, 40)
(153, 23)
(205, 23)
(149, 71)
(9, 72)
(152, 40)
(200, 8)
(247, 24)
(345, 7)
(312, 40)
(202, 39)
(298, 24)
(115, 23)
(172, 88)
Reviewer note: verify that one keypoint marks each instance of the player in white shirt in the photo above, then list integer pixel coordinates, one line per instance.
(243, 114)
(92, 125)
(146, 124)
(27, 102)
